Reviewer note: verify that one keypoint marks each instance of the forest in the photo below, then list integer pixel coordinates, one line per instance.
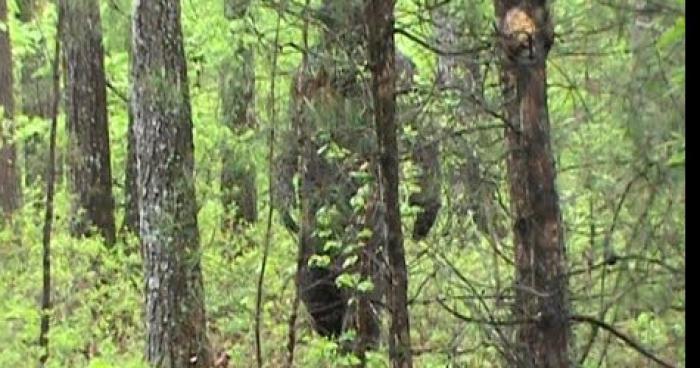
(342, 183)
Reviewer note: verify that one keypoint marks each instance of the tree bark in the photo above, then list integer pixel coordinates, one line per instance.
(10, 190)
(382, 59)
(131, 211)
(541, 284)
(175, 313)
(86, 108)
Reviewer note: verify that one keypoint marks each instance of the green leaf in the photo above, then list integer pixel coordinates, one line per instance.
(347, 280)
(332, 246)
(365, 286)
(350, 261)
(319, 261)
(673, 34)
(365, 234)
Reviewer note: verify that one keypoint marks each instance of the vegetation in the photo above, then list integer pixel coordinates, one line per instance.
(327, 183)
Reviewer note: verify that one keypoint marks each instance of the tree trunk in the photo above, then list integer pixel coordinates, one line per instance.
(541, 284)
(35, 100)
(10, 192)
(131, 194)
(238, 169)
(131, 212)
(175, 313)
(46, 303)
(382, 60)
(86, 108)
(36, 90)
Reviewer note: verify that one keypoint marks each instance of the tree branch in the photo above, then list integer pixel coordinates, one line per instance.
(626, 339)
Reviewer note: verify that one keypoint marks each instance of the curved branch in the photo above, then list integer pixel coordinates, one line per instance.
(485, 46)
(626, 339)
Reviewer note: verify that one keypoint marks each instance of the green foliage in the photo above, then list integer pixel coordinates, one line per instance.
(617, 127)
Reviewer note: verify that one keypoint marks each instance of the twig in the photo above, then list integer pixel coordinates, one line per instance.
(491, 322)
(626, 339)
(426, 45)
(118, 93)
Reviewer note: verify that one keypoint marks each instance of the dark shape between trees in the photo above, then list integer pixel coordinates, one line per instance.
(331, 113)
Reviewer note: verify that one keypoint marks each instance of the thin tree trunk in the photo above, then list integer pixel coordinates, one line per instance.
(10, 190)
(86, 108)
(541, 283)
(131, 194)
(382, 59)
(237, 92)
(297, 122)
(131, 212)
(35, 99)
(271, 198)
(48, 217)
(35, 90)
(175, 313)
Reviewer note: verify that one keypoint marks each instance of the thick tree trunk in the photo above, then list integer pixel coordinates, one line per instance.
(86, 108)
(541, 283)
(382, 61)
(10, 192)
(175, 313)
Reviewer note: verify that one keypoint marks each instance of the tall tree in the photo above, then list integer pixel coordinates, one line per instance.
(175, 313)
(382, 62)
(86, 109)
(526, 36)
(9, 176)
(131, 188)
(46, 303)
(131, 210)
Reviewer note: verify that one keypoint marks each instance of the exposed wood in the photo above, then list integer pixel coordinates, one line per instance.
(525, 32)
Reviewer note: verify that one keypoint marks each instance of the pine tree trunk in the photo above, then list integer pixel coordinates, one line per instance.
(175, 313)
(541, 282)
(86, 109)
(382, 60)
(10, 190)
